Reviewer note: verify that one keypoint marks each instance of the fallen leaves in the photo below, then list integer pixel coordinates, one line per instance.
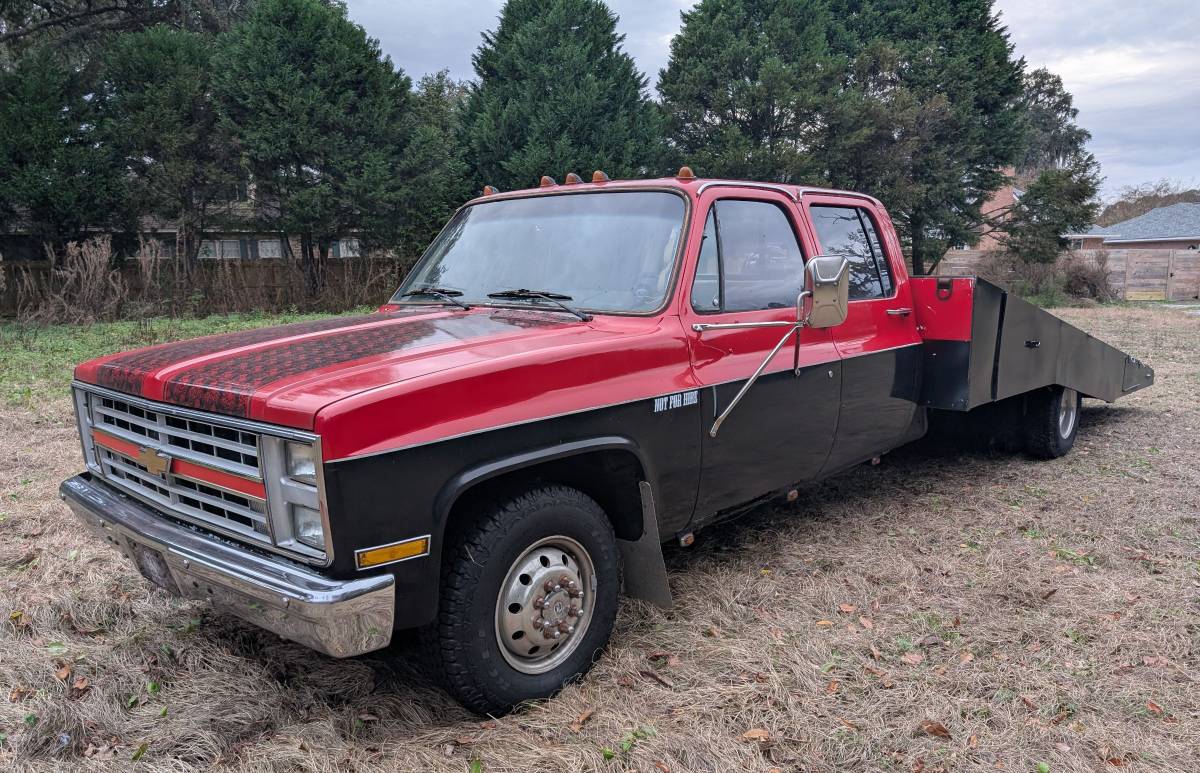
(656, 677)
(20, 693)
(80, 687)
(931, 727)
(913, 658)
(832, 687)
(660, 658)
(867, 623)
(1156, 661)
(581, 720)
(846, 609)
(757, 735)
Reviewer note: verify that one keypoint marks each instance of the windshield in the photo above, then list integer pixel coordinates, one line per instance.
(609, 252)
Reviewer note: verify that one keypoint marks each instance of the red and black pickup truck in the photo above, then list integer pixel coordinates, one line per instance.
(570, 376)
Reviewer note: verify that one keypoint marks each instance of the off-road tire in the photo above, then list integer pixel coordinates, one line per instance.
(463, 640)
(1044, 408)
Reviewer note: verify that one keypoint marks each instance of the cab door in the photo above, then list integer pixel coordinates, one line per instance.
(749, 267)
(878, 343)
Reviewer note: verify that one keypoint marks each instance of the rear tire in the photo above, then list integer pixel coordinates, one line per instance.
(534, 564)
(1051, 421)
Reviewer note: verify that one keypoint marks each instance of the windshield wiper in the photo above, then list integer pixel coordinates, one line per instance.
(444, 294)
(555, 298)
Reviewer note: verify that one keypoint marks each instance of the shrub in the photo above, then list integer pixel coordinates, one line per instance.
(1085, 277)
(85, 284)
(80, 285)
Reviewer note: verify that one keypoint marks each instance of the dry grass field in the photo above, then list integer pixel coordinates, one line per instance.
(942, 611)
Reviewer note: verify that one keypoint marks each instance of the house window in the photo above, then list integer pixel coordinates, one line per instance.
(208, 249)
(231, 248)
(349, 248)
(1075, 244)
(270, 248)
(960, 246)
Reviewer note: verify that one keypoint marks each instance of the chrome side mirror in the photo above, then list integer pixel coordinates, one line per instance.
(826, 297)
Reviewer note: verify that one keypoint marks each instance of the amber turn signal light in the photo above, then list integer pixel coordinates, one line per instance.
(599, 176)
(685, 173)
(390, 554)
(489, 190)
(547, 181)
(573, 179)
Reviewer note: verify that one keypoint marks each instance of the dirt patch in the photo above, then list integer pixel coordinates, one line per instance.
(940, 611)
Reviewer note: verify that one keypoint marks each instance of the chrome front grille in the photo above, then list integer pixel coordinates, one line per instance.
(201, 441)
(224, 474)
(187, 437)
(244, 515)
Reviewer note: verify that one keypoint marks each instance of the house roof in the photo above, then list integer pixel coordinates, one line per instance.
(1178, 221)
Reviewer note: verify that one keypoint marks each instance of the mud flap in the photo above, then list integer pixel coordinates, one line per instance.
(645, 570)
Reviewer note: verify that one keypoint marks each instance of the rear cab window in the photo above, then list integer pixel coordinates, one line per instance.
(850, 232)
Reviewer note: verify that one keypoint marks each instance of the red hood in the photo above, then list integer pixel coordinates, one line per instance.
(286, 374)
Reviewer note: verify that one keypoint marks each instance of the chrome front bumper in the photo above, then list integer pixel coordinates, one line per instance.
(339, 618)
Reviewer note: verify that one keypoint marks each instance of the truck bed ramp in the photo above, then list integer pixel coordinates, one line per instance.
(984, 344)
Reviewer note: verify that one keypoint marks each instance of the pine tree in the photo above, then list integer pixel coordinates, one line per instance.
(323, 121)
(1060, 176)
(557, 94)
(158, 114)
(436, 168)
(56, 179)
(951, 63)
(916, 104)
(743, 84)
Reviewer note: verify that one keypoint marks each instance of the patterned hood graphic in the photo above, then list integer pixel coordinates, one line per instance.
(227, 384)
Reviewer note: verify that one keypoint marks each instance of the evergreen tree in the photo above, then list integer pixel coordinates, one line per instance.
(436, 169)
(56, 179)
(556, 94)
(952, 63)
(1059, 201)
(1052, 138)
(916, 104)
(743, 84)
(1060, 176)
(160, 117)
(323, 121)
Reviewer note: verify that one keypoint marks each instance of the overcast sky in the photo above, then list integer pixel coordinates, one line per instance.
(1133, 65)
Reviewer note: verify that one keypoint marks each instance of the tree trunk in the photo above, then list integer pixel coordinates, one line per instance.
(309, 266)
(917, 239)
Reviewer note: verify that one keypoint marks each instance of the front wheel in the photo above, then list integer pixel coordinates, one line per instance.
(1052, 421)
(528, 599)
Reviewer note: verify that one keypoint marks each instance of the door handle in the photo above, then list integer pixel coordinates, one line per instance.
(899, 312)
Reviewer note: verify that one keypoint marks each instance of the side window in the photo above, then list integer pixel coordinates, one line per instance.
(758, 261)
(849, 231)
(706, 287)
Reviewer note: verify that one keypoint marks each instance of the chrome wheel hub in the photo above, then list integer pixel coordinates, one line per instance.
(545, 604)
(1068, 409)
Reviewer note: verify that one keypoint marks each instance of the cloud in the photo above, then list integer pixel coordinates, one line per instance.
(1134, 68)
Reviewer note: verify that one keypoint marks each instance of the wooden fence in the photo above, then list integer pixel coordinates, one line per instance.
(1135, 275)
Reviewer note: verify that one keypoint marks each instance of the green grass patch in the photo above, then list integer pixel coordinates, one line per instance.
(37, 361)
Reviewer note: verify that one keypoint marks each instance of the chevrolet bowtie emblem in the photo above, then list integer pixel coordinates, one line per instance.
(156, 462)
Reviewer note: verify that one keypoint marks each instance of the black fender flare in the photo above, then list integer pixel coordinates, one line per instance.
(645, 569)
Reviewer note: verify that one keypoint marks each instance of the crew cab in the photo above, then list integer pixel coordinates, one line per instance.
(570, 376)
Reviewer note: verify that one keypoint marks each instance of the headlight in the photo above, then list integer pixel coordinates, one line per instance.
(307, 526)
(302, 463)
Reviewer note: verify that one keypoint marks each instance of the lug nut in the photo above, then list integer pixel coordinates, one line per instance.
(548, 586)
(539, 602)
(573, 612)
(564, 579)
